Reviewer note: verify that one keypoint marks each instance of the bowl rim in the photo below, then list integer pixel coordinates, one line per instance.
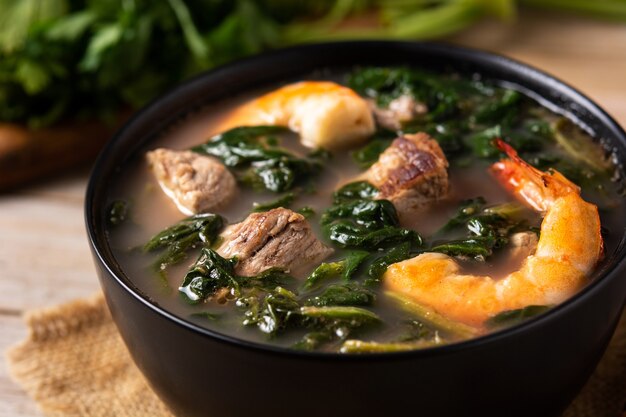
(479, 57)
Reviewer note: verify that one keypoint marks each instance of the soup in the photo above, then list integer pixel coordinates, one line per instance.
(385, 209)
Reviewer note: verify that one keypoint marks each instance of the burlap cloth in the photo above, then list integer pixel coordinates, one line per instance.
(74, 363)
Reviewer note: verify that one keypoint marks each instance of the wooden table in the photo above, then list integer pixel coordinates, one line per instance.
(44, 256)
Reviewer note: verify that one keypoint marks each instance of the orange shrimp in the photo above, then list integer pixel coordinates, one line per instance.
(326, 114)
(570, 245)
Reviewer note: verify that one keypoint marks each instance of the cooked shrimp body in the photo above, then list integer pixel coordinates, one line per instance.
(569, 247)
(327, 115)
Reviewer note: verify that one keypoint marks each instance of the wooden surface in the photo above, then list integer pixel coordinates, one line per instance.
(44, 256)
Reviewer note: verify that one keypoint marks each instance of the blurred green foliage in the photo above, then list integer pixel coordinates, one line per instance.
(85, 58)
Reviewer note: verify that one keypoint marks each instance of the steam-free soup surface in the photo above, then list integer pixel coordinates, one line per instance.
(369, 318)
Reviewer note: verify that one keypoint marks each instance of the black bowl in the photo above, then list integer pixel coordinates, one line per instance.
(532, 369)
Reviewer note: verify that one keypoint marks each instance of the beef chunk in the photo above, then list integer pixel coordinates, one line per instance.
(412, 173)
(277, 238)
(196, 183)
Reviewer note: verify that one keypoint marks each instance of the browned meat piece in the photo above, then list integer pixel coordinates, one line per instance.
(196, 183)
(400, 110)
(277, 238)
(412, 173)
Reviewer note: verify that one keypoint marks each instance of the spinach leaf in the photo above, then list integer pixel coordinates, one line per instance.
(346, 234)
(356, 220)
(276, 311)
(353, 260)
(343, 295)
(209, 273)
(478, 248)
(212, 272)
(467, 209)
(511, 317)
(504, 105)
(370, 214)
(183, 236)
(279, 309)
(306, 211)
(279, 173)
(486, 229)
(242, 145)
(324, 272)
(253, 150)
(396, 254)
(386, 84)
(117, 212)
(354, 191)
(368, 154)
(482, 143)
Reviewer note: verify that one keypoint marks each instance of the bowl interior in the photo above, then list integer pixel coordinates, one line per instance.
(290, 64)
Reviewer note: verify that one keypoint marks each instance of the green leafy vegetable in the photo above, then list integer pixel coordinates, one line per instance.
(387, 84)
(277, 310)
(343, 295)
(396, 254)
(354, 191)
(242, 145)
(370, 214)
(254, 150)
(486, 229)
(353, 260)
(61, 59)
(323, 272)
(209, 273)
(212, 272)
(307, 212)
(432, 318)
(369, 153)
(511, 317)
(339, 313)
(478, 248)
(344, 268)
(356, 220)
(118, 212)
(187, 234)
(346, 234)
(467, 210)
(502, 106)
(360, 346)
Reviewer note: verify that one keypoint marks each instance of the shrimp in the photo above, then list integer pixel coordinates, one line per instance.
(569, 247)
(327, 115)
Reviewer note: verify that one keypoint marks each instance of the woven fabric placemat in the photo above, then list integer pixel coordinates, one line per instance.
(74, 363)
